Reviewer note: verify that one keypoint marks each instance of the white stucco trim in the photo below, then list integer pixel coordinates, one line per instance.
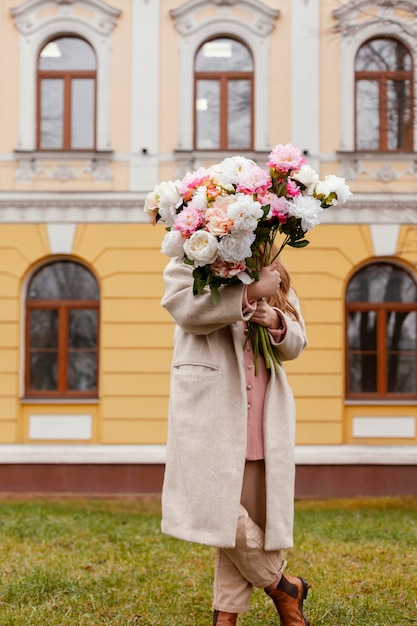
(395, 427)
(144, 161)
(61, 237)
(385, 239)
(155, 454)
(354, 33)
(305, 84)
(254, 33)
(35, 31)
(61, 427)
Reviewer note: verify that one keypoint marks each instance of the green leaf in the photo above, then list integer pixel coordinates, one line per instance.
(214, 295)
(298, 244)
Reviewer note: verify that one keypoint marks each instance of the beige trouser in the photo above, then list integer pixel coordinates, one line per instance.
(247, 565)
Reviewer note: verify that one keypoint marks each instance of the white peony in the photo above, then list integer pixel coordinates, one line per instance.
(173, 244)
(333, 185)
(169, 200)
(307, 177)
(236, 247)
(199, 199)
(225, 173)
(307, 208)
(151, 205)
(201, 247)
(245, 212)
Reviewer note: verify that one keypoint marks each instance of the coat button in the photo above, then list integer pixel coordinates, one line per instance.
(249, 366)
(248, 386)
(248, 405)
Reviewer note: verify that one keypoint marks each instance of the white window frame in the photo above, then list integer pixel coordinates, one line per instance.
(253, 33)
(35, 31)
(353, 34)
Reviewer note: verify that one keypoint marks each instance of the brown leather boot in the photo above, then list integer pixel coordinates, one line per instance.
(288, 598)
(220, 618)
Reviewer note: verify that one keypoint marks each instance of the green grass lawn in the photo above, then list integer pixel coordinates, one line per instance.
(93, 562)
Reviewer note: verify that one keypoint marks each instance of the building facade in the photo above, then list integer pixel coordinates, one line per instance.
(99, 101)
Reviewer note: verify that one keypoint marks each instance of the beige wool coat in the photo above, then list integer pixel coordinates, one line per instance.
(206, 445)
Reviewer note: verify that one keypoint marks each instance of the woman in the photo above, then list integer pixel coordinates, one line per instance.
(229, 477)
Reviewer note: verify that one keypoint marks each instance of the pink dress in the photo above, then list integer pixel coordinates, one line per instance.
(256, 389)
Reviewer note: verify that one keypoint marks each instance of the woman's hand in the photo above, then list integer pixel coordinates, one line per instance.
(266, 316)
(267, 285)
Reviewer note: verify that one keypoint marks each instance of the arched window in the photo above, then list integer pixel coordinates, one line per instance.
(66, 95)
(223, 96)
(384, 96)
(62, 307)
(381, 320)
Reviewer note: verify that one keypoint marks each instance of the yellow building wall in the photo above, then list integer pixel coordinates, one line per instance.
(135, 332)
(320, 273)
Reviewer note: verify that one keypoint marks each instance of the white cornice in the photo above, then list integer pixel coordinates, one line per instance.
(72, 208)
(110, 207)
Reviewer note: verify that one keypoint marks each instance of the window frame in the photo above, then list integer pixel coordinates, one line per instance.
(223, 78)
(63, 307)
(382, 78)
(381, 310)
(67, 76)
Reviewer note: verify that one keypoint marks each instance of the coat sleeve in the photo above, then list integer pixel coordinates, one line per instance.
(196, 314)
(295, 339)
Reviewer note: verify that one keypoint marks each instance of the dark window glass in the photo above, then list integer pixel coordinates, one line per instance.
(381, 305)
(63, 280)
(67, 85)
(223, 96)
(384, 96)
(62, 331)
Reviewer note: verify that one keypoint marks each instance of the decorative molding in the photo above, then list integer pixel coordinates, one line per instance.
(358, 14)
(353, 165)
(356, 25)
(253, 32)
(35, 30)
(27, 22)
(33, 166)
(186, 22)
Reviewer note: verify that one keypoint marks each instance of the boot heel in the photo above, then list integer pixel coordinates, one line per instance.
(306, 587)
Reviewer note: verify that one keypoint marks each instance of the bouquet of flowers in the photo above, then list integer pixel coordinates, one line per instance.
(224, 220)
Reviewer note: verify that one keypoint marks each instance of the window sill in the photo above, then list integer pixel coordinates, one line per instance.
(196, 156)
(63, 165)
(63, 154)
(368, 155)
(50, 400)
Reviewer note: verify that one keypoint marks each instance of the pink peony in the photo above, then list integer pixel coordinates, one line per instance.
(285, 158)
(278, 206)
(218, 222)
(253, 180)
(224, 269)
(191, 181)
(293, 189)
(188, 221)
